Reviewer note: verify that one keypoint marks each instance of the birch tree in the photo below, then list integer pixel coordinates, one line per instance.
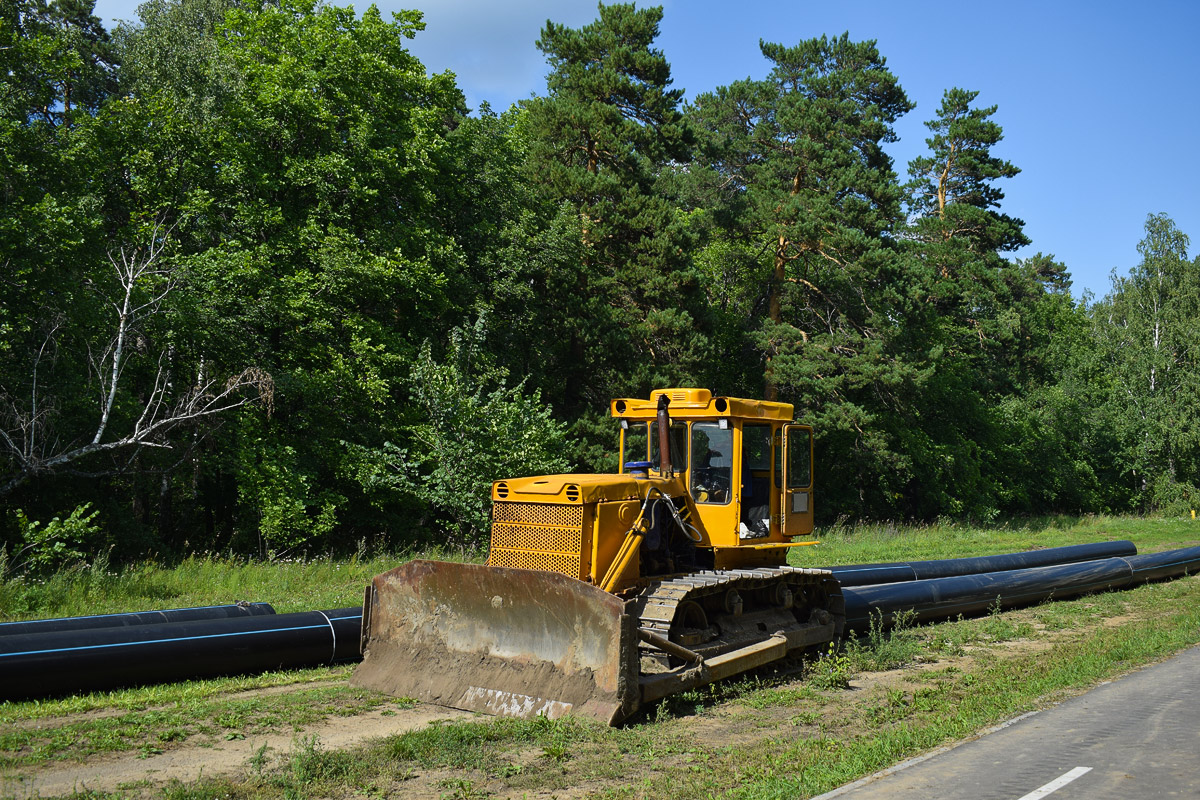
(142, 392)
(1145, 331)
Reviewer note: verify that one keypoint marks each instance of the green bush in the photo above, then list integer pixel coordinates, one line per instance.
(47, 547)
(475, 430)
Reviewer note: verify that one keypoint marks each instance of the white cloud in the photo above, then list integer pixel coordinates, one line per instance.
(488, 45)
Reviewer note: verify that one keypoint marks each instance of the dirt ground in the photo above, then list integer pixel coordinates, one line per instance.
(202, 756)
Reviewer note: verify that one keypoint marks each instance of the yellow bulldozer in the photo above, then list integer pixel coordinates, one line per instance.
(604, 593)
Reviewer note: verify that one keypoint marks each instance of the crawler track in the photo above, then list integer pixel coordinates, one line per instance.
(714, 611)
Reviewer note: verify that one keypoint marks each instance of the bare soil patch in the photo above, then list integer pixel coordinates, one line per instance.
(206, 757)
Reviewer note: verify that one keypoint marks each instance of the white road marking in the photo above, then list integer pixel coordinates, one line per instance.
(1057, 783)
(912, 762)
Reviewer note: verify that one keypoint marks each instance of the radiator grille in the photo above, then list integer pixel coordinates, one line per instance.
(543, 562)
(541, 536)
(538, 514)
(531, 537)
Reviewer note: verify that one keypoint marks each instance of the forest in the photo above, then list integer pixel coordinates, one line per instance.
(270, 288)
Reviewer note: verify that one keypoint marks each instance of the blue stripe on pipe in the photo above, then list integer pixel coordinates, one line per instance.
(164, 641)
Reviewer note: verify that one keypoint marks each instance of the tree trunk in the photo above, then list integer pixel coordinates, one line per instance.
(774, 301)
(775, 314)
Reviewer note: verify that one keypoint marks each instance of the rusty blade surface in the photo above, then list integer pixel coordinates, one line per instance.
(501, 641)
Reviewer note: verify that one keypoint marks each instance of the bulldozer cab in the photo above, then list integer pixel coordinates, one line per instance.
(747, 467)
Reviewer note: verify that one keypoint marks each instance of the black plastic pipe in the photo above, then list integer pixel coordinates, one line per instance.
(46, 664)
(59, 624)
(939, 598)
(870, 574)
(1168, 564)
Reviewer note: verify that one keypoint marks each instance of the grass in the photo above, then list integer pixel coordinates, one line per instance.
(182, 693)
(149, 728)
(795, 732)
(289, 585)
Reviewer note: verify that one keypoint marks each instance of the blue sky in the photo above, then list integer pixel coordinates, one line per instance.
(1099, 101)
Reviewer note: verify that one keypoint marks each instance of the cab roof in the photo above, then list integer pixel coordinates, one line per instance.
(700, 404)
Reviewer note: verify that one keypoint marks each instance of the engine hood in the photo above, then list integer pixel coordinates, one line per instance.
(576, 489)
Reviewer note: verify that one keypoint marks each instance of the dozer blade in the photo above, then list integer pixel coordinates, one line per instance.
(503, 641)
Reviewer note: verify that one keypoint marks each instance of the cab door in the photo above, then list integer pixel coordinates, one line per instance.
(797, 505)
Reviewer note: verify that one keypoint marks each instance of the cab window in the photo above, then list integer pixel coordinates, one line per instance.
(799, 457)
(756, 447)
(633, 444)
(756, 465)
(712, 463)
(677, 442)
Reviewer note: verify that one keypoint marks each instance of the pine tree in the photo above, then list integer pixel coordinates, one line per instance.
(600, 141)
(987, 323)
(794, 171)
(960, 236)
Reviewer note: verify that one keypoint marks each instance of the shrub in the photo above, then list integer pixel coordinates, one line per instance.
(47, 547)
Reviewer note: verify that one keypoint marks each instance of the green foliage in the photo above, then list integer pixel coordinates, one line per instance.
(888, 645)
(295, 369)
(174, 51)
(954, 183)
(599, 143)
(54, 72)
(47, 547)
(291, 512)
(476, 430)
(794, 168)
(983, 325)
(65, 64)
(1147, 363)
(832, 670)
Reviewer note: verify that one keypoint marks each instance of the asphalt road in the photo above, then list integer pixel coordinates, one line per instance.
(1136, 737)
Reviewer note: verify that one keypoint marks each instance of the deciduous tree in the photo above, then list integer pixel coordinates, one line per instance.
(1145, 331)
